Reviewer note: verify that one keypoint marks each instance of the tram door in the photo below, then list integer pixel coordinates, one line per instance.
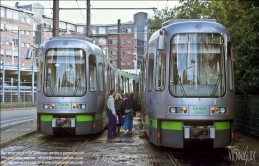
(150, 83)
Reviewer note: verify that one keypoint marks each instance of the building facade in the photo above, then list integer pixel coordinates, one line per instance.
(133, 34)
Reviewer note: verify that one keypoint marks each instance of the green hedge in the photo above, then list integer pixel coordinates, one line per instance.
(17, 104)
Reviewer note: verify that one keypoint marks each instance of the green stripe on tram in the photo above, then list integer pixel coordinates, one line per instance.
(47, 118)
(152, 123)
(83, 118)
(169, 125)
(222, 125)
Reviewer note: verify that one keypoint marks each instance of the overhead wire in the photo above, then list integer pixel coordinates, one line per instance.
(80, 10)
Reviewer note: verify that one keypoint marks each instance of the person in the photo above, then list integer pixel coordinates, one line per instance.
(127, 110)
(119, 104)
(132, 112)
(111, 115)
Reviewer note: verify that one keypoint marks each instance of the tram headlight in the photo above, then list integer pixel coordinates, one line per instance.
(46, 106)
(179, 110)
(172, 110)
(222, 110)
(83, 106)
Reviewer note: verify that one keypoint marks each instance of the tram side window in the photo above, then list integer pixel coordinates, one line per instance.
(160, 70)
(92, 73)
(100, 74)
(39, 64)
(150, 71)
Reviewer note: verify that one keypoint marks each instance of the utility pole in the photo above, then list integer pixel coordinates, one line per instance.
(19, 62)
(55, 30)
(88, 21)
(119, 44)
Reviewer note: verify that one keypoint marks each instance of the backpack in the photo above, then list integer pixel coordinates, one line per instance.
(119, 105)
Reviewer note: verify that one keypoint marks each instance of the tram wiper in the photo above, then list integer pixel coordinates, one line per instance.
(181, 87)
(78, 83)
(217, 85)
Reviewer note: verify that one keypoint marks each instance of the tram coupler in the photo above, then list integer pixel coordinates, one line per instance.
(199, 132)
(63, 122)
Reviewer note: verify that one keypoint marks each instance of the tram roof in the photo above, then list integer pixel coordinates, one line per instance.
(75, 38)
(172, 21)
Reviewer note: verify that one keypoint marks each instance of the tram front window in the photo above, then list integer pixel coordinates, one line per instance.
(197, 65)
(65, 72)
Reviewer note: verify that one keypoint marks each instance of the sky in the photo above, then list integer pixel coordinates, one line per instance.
(99, 16)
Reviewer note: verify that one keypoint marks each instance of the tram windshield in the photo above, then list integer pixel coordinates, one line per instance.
(65, 72)
(197, 65)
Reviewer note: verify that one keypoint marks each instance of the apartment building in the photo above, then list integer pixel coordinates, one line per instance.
(12, 21)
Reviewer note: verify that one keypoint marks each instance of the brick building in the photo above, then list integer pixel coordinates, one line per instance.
(13, 20)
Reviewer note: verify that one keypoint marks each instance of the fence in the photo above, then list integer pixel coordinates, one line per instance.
(247, 114)
(11, 97)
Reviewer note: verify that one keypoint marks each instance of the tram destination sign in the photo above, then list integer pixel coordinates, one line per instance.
(64, 106)
(199, 110)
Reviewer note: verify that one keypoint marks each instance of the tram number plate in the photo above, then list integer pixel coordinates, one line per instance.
(63, 106)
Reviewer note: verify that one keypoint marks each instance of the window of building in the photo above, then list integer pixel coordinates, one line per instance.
(112, 41)
(28, 45)
(28, 32)
(62, 25)
(23, 19)
(80, 29)
(123, 41)
(102, 30)
(102, 41)
(115, 51)
(10, 40)
(129, 62)
(114, 62)
(15, 15)
(9, 14)
(2, 52)
(22, 32)
(23, 44)
(9, 53)
(128, 41)
(2, 39)
(15, 29)
(28, 20)
(92, 73)
(128, 30)
(2, 26)
(123, 30)
(93, 30)
(123, 63)
(2, 12)
(128, 52)
(112, 30)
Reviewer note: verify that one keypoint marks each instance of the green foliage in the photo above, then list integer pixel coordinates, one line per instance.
(241, 18)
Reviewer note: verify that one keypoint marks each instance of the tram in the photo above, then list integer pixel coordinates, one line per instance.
(74, 82)
(187, 85)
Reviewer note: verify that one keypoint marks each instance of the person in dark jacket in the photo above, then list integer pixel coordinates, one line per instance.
(119, 104)
(128, 113)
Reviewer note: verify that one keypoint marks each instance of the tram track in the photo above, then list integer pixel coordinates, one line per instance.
(38, 153)
(199, 157)
(22, 152)
(67, 160)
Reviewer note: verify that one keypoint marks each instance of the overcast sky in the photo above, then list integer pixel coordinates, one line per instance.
(100, 16)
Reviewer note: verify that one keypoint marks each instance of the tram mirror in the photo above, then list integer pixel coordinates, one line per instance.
(161, 42)
(28, 54)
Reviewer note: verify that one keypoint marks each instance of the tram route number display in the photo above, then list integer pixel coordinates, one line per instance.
(63, 106)
(40, 157)
(198, 110)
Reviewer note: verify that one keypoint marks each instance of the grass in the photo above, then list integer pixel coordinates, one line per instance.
(17, 104)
